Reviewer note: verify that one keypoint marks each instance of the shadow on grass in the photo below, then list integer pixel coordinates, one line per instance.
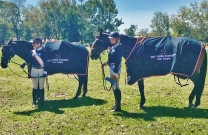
(54, 105)
(152, 112)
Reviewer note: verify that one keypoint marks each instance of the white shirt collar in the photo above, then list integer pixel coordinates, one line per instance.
(39, 48)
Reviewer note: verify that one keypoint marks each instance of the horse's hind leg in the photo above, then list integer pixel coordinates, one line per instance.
(85, 81)
(197, 91)
(141, 90)
(79, 87)
(199, 79)
(192, 95)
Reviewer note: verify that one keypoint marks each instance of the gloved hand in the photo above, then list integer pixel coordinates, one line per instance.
(44, 74)
(23, 65)
(115, 76)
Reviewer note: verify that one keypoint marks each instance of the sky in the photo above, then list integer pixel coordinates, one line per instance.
(140, 12)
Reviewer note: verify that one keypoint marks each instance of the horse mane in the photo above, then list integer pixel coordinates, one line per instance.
(22, 42)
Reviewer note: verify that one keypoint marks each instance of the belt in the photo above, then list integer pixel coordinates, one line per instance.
(37, 67)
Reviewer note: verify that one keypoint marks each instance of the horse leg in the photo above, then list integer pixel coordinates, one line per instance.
(197, 91)
(192, 95)
(199, 79)
(85, 80)
(141, 90)
(79, 87)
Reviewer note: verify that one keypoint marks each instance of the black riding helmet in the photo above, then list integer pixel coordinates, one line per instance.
(114, 34)
(37, 40)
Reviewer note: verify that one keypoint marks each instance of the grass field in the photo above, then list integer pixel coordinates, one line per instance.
(166, 107)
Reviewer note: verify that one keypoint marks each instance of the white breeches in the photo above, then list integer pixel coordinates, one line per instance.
(116, 84)
(37, 82)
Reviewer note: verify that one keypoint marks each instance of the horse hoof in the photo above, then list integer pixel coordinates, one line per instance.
(83, 96)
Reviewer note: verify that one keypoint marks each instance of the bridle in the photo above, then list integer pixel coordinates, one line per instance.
(100, 49)
(98, 52)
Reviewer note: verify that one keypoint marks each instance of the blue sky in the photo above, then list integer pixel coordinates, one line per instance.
(140, 12)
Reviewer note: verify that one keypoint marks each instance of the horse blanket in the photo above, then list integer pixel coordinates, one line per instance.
(162, 55)
(67, 58)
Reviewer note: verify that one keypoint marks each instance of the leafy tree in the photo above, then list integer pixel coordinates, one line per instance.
(143, 32)
(70, 21)
(52, 15)
(191, 21)
(180, 26)
(160, 24)
(11, 12)
(102, 14)
(5, 31)
(131, 31)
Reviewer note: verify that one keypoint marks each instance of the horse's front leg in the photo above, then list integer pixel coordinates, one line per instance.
(141, 90)
(85, 83)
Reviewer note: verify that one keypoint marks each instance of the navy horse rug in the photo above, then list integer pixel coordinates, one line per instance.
(67, 58)
(162, 55)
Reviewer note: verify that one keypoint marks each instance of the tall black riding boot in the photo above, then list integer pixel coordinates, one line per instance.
(38, 95)
(42, 96)
(34, 96)
(118, 100)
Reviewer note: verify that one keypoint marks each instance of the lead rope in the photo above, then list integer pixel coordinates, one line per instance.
(103, 77)
(74, 77)
(47, 84)
(179, 83)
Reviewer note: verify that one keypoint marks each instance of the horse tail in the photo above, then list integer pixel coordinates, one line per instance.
(203, 70)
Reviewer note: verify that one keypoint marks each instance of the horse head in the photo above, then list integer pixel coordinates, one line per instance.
(100, 44)
(7, 54)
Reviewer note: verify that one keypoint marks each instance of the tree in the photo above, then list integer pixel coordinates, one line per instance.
(131, 31)
(11, 12)
(160, 24)
(5, 30)
(102, 14)
(191, 22)
(51, 11)
(180, 27)
(143, 32)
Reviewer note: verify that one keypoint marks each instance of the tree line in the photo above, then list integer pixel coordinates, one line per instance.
(79, 20)
(188, 22)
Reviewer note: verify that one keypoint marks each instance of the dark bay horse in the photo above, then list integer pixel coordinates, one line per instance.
(184, 58)
(68, 59)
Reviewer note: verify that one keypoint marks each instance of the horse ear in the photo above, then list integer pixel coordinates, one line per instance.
(101, 32)
(9, 42)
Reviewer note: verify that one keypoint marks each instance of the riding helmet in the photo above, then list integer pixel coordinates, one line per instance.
(37, 40)
(114, 34)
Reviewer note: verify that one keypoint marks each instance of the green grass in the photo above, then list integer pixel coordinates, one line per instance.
(166, 106)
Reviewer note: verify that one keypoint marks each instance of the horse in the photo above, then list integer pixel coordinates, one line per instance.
(63, 57)
(182, 57)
